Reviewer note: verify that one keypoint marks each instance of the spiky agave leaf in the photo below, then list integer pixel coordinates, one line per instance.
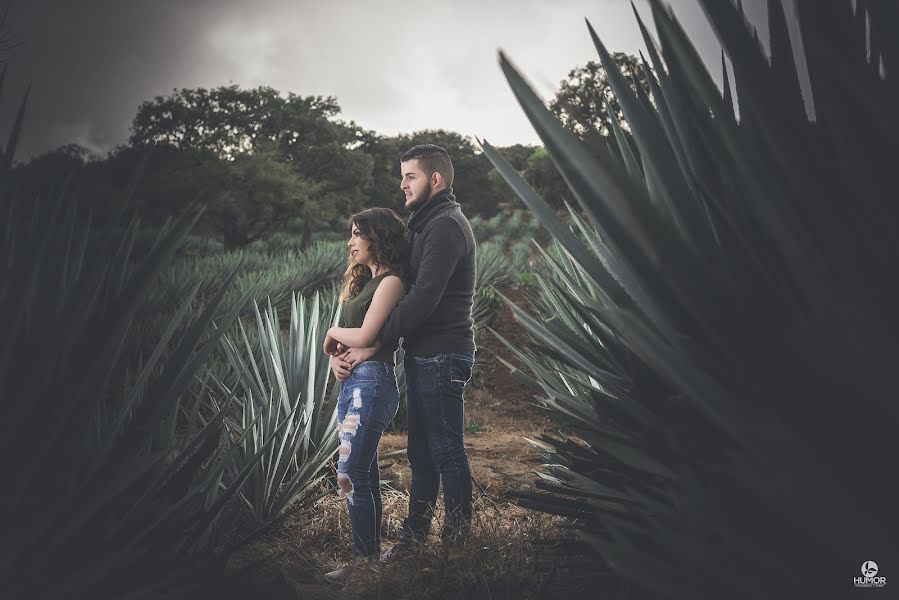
(100, 500)
(718, 327)
(281, 385)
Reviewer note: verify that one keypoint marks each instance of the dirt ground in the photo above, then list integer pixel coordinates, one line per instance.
(507, 555)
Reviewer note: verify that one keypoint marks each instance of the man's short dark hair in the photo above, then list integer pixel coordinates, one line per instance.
(433, 159)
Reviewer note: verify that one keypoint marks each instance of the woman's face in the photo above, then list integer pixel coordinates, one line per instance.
(359, 246)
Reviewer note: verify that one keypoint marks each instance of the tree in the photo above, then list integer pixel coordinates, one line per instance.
(476, 191)
(583, 100)
(46, 173)
(230, 121)
(542, 175)
(302, 133)
(384, 152)
(172, 178)
(517, 155)
(262, 193)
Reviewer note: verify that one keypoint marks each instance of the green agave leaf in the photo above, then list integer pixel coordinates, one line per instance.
(16, 131)
(89, 508)
(655, 150)
(584, 486)
(188, 364)
(551, 504)
(630, 160)
(783, 67)
(136, 395)
(727, 97)
(555, 226)
(555, 342)
(588, 179)
(574, 163)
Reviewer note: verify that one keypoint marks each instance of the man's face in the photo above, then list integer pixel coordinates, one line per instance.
(416, 184)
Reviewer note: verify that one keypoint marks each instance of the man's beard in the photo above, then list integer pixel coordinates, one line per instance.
(422, 198)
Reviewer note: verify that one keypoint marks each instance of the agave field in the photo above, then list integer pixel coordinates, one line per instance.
(167, 401)
(683, 379)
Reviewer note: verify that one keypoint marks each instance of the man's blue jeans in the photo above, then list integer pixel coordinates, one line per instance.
(436, 451)
(367, 401)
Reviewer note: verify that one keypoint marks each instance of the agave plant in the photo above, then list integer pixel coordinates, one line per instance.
(493, 272)
(99, 492)
(282, 403)
(719, 330)
(317, 268)
(259, 275)
(105, 488)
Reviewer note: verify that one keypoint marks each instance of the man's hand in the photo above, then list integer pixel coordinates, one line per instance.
(354, 356)
(330, 345)
(340, 368)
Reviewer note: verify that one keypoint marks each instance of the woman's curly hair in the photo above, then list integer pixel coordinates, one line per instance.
(389, 247)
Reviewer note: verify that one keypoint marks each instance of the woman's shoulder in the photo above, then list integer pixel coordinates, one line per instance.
(395, 280)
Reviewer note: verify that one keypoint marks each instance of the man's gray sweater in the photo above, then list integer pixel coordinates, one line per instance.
(435, 316)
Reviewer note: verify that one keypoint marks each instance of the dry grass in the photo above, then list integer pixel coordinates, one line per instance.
(505, 556)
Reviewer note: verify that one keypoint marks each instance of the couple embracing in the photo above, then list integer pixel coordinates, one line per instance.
(414, 282)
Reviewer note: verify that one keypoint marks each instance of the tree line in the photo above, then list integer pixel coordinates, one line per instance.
(260, 161)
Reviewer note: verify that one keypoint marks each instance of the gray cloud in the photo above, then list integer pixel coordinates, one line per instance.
(394, 66)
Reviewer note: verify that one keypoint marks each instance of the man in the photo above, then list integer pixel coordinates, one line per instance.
(434, 320)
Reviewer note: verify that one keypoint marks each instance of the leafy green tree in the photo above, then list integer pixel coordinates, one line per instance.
(542, 175)
(384, 152)
(517, 155)
(263, 192)
(47, 173)
(171, 179)
(247, 198)
(585, 97)
(474, 188)
(229, 121)
(301, 133)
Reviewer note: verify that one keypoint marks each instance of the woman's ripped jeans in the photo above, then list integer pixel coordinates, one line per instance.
(367, 402)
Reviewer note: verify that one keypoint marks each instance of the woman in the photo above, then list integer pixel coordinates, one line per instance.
(368, 399)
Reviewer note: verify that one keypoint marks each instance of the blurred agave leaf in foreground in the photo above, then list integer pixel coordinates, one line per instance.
(101, 496)
(717, 321)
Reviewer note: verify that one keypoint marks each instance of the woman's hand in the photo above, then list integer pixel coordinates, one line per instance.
(340, 368)
(354, 356)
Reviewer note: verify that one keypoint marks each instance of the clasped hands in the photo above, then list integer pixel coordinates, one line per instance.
(344, 359)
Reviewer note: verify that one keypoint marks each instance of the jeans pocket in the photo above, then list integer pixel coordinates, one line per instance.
(460, 369)
(364, 372)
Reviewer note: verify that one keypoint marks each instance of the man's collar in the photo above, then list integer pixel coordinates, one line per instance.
(420, 215)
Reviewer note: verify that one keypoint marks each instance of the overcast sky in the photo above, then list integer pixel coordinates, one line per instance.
(394, 67)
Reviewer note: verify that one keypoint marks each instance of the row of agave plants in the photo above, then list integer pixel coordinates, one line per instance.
(717, 319)
(135, 474)
(505, 245)
(274, 269)
(148, 432)
(155, 417)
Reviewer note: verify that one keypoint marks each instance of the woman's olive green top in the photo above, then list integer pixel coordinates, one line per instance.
(353, 313)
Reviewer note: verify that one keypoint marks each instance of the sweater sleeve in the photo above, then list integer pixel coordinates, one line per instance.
(442, 248)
